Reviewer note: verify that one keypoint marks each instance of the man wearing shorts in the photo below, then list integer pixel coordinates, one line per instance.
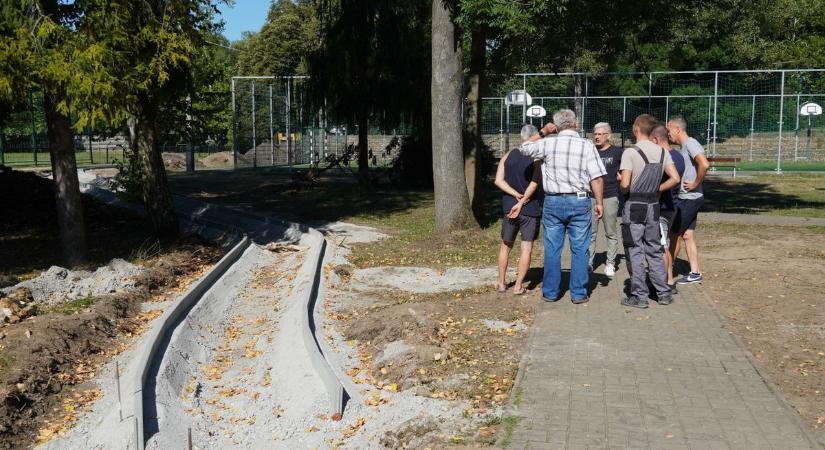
(690, 195)
(668, 202)
(519, 178)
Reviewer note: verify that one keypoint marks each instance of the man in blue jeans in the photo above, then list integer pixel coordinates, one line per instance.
(572, 171)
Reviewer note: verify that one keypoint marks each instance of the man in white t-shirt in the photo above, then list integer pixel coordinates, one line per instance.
(690, 195)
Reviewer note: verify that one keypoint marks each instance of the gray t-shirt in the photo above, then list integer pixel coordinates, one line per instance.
(689, 150)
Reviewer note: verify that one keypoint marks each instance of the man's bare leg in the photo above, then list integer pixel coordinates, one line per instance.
(503, 255)
(523, 264)
(670, 257)
(691, 250)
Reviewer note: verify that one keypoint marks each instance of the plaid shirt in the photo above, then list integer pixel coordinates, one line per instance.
(570, 162)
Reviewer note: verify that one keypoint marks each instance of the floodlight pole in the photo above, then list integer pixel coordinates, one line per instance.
(271, 131)
(254, 137)
(796, 132)
(234, 129)
(781, 106)
(753, 117)
(715, 108)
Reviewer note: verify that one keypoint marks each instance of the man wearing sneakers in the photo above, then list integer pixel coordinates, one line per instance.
(611, 158)
(690, 195)
(642, 168)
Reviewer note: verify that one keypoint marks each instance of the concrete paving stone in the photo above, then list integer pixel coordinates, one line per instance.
(545, 446)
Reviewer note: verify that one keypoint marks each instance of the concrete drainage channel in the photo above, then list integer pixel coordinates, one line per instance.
(162, 403)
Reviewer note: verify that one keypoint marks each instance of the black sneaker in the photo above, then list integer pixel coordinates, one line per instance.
(664, 299)
(673, 290)
(690, 278)
(635, 302)
(579, 301)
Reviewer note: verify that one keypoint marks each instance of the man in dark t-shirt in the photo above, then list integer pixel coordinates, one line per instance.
(611, 158)
(668, 202)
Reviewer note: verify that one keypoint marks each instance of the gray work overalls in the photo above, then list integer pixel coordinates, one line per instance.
(641, 232)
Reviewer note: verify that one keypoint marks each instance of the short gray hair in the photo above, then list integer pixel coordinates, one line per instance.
(528, 131)
(565, 119)
(604, 125)
(679, 121)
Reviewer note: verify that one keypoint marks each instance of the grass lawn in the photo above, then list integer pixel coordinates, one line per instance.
(787, 194)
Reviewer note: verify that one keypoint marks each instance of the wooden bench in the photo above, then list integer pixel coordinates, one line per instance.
(717, 162)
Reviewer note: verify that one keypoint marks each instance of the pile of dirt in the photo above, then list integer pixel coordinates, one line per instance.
(174, 161)
(59, 284)
(43, 358)
(220, 160)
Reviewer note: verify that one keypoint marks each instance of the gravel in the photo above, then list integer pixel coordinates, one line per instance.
(59, 284)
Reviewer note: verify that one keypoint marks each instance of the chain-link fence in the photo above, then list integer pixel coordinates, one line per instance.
(753, 115)
(274, 124)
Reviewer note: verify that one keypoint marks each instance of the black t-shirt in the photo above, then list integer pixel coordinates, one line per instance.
(612, 159)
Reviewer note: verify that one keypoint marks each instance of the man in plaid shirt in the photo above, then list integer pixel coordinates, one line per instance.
(572, 172)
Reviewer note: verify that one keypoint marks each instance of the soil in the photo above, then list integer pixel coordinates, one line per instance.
(768, 283)
(46, 359)
(29, 242)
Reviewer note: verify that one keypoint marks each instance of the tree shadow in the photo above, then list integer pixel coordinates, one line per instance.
(728, 195)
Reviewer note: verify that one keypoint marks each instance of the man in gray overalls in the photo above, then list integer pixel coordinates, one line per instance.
(641, 175)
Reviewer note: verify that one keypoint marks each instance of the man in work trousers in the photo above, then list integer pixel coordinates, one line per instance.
(642, 168)
(611, 157)
(690, 195)
(571, 172)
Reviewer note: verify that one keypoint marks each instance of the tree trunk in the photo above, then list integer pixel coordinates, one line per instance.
(363, 148)
(66, 186)
(156, 195)
(452, 201)
(473, 143)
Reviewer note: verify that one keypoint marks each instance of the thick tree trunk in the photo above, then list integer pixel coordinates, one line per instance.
(473, 143)
(452, 201)
(66, 186)
(156, 195)
(363, 149)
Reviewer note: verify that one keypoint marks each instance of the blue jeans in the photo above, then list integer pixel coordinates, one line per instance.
(571, 215)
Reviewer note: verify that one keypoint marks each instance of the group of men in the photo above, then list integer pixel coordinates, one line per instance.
(571, 185)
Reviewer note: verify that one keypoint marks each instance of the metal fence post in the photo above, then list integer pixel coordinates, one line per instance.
(3, 139)
(781, 114)
(584, 108)
(667, 108)
(254, 136)
(715, 108)
(523, 106)
(234, 129)
(753, 118)
(91, 153)
(501, 127)
(288, 130)
(796, 132)
(33, 128)
(707, 135)
(271, 130)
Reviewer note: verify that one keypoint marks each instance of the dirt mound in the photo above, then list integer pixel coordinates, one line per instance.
(58, 284)
(174, 161)
(218, 160)
(44, 357)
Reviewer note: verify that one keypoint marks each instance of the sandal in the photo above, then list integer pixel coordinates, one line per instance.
(501, 288)
(521, 291)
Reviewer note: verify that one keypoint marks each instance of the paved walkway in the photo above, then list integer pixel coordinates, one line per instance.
(602, 375)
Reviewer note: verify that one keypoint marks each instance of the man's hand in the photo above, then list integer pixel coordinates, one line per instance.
(690, 185)
(598, 209)
(549, 128)
(515, 211)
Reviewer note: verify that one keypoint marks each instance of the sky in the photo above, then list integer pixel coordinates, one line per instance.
(246, 15)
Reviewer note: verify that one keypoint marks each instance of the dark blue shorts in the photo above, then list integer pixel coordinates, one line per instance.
(687, 211)
(529, 227)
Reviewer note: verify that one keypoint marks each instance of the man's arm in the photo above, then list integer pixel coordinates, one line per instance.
(672, 180)
(501, 183)
(702, 166)
(624, 184)
(528, 193)
(597, 187)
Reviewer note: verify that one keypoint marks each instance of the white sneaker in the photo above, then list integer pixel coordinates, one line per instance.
(609, 270)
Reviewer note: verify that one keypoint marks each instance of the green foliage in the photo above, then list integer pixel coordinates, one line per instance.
(128, 182)
(282, 45)
(71, 306)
